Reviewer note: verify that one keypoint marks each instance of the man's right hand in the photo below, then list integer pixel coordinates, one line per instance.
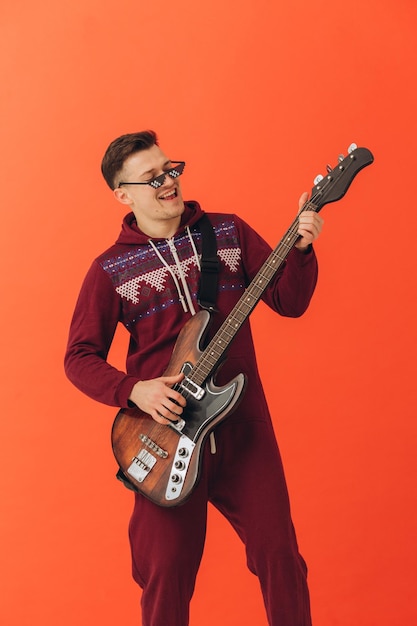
(157, 398)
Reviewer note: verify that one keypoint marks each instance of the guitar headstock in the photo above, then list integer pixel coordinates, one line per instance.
(337, 181)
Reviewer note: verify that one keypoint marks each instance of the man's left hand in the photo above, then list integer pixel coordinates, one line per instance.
(310, 225)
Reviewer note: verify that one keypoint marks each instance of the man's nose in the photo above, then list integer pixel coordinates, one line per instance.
(167, 179)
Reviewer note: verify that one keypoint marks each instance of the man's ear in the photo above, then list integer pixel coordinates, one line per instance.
(121, 195)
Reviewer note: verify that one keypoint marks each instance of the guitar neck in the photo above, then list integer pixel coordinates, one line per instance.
(245, 305)
(328, 189)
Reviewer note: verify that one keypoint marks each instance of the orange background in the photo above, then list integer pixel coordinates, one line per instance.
(257, 97)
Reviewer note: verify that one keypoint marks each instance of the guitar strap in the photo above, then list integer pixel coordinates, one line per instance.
(207, 292)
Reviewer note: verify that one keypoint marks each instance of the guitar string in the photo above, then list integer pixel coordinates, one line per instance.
(200, 370)
(247, 302)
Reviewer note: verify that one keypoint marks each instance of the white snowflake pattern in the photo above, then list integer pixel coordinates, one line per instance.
(230, 257)
(156, 279)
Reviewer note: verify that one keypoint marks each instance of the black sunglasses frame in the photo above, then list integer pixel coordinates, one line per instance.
(158, 181)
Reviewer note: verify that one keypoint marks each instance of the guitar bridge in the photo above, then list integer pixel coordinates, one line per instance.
(150, 443)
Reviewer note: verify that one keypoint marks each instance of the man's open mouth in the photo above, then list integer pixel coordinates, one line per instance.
(169, 195)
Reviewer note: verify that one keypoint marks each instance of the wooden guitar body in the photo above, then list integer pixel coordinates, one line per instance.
(163, 461)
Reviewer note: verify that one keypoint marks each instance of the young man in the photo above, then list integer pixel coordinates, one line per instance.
(149, 282)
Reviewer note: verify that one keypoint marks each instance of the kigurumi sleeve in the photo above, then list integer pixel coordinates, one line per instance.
(93, 325)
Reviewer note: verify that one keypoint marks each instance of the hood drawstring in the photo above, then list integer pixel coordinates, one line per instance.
(185, 295)
(168, 267)
(182, 276)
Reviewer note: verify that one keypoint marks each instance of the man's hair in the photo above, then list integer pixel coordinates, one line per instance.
(120, 149)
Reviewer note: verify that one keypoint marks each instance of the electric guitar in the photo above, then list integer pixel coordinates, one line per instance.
(163, 461)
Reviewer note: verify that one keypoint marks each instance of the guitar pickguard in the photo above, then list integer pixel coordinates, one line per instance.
(202, 408)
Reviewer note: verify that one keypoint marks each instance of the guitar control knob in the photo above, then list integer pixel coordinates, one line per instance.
(179, 465)
(183, 452)
(176, 479)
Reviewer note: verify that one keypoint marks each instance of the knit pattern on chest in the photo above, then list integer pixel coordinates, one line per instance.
(146, 285)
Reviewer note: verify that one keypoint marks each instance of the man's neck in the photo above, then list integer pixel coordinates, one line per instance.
(163, 229)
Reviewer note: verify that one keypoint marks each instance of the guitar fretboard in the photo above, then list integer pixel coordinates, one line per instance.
(244, 307)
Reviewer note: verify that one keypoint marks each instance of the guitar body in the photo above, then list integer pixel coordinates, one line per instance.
(163, 462)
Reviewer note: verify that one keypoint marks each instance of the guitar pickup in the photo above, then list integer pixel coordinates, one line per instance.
(141, 465)
(191, 388)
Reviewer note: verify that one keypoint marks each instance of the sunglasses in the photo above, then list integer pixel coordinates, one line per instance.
(158, 181)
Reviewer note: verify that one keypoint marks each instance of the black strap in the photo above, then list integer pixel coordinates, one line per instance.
(210, 266)
(120, 476)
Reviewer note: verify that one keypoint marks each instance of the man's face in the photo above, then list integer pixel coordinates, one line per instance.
(156, 210)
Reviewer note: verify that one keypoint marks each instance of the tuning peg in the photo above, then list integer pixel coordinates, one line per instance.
(318, 178)
(329, 169)
(352, 147)
(340, 158)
